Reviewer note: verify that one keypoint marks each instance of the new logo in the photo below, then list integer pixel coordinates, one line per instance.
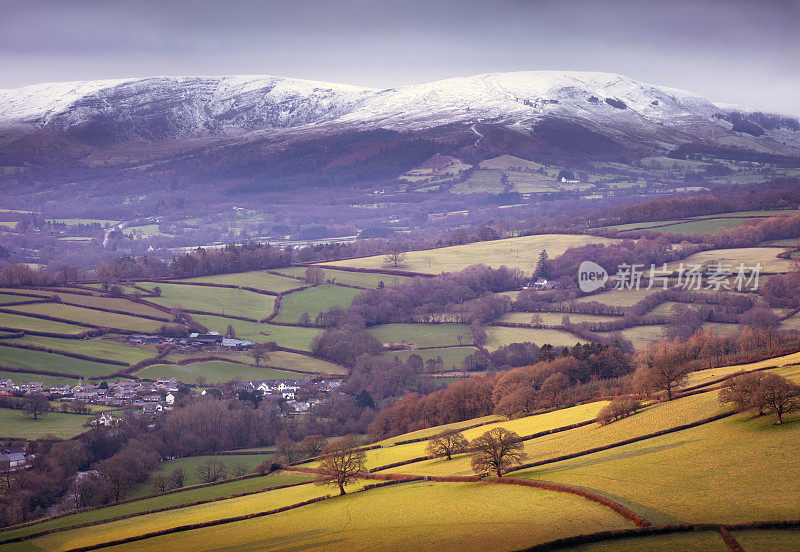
(591, 276)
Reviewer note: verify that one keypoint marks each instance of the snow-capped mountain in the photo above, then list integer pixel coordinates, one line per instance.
(554, 108)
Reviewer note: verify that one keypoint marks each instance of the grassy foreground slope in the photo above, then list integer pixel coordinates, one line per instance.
(188, 495)
(455, 516)
(733, 470)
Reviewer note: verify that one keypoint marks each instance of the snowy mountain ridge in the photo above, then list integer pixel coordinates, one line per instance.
(175, 108)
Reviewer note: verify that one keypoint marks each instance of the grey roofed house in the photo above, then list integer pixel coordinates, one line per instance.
(202, 338)
(12, 459)
(236, 343)
(152, 408)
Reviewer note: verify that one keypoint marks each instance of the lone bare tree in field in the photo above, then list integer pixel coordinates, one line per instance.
(779, 395)
(259, 352)
(36, 404)
(314, 275)
(497, 450)
(342, 463)
(446, 444)
(395, 256)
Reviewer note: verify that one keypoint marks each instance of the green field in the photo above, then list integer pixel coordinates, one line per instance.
(88, 316)
(22, 322)
(313, 301)
(451, 356)
(422, 335)
(618, 298)
(37, 360)
(236, 302)
(256, 279)
(113, 349)
(485, 517)
(16, 423)
(47, 381)
(369, 281)
(190, 464)
(278, 359)
(640, 336)
(144, 230)
(76, 221)
(6, 298)
(521, 252)
(285, 336)
(500, 336)
(215, 371)
(554, 318)
(705, 227)
(114, 303)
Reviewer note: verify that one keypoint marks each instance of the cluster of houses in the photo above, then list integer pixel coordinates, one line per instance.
(155, 397)
(151, 397)
(540, 284)
(194, 340)
(299, 395)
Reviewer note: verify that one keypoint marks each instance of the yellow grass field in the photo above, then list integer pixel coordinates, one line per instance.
(162, 520)
(654, 418)
(703, 376)
(410, 516)
(520, 253)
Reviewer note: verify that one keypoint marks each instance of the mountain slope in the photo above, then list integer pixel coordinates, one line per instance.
(546, 112)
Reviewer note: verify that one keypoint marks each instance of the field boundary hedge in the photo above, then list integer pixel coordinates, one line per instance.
(276, 307)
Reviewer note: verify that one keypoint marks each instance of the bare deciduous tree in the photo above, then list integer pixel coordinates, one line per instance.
(314, 275)
(36, 404)
(446, 444)
(342, 463)
(395, 257)
(497, 450)
(211, 470)
(312, 445)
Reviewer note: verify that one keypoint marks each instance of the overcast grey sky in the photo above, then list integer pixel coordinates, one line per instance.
(730, 51)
